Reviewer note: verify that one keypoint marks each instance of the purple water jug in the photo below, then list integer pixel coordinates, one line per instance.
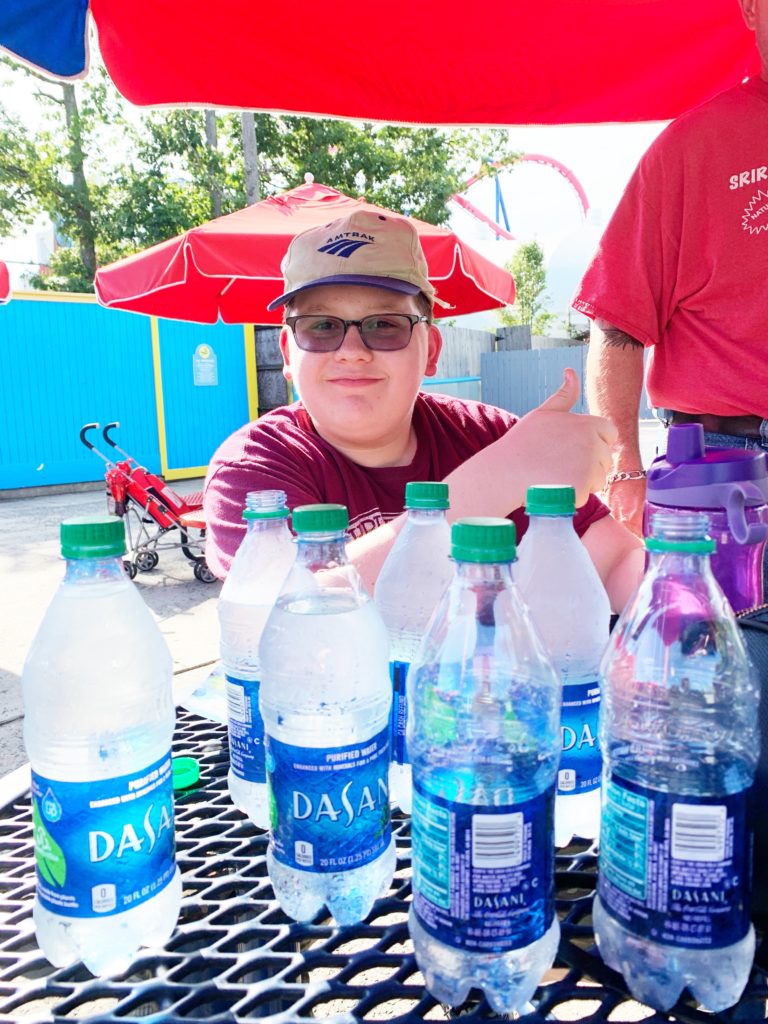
(731, 486)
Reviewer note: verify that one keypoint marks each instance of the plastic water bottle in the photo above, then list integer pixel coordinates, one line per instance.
(679, 735)
(325, 700)
(570, 608)
(98, 723)
(411, 582)
(484, 739)
(258, 570)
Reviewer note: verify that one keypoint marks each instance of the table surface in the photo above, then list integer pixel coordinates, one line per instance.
(235, 957)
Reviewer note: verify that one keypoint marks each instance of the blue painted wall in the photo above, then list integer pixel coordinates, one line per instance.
(65, 362)
(199, 417)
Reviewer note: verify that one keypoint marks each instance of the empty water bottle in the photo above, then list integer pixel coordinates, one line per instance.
(483, 734)
(325, 700)
(679, 736)
(258, 569)
(98, 723)
(411, 582)
(570, 608)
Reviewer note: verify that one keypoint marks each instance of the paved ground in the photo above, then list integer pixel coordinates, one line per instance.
(31, 569)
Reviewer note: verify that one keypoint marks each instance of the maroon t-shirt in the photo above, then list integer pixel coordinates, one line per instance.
(282, 450)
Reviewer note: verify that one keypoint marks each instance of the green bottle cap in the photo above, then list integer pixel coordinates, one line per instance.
(185, 772)
(550, 500)
(423, 494)
(92, 537)
(483, 540)
(320, 518)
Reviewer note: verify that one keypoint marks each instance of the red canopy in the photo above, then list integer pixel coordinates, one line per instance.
(229, 268)
(502, 62)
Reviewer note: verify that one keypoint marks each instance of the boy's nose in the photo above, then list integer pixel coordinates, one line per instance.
(352, 345)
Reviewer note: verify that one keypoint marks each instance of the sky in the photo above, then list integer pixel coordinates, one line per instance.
(540, 203)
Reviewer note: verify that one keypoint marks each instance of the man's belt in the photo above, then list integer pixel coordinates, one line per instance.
(737, 426)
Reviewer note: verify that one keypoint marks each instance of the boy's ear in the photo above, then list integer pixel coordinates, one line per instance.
(434, 348)
(286, 353)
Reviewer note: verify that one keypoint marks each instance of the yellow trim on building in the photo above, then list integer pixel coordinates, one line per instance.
(159, 406)
(186, 474)
(30, 296)
(251, 371)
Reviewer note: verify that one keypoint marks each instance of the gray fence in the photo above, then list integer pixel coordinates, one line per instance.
(521, 380)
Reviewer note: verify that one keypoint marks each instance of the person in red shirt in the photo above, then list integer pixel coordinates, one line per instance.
(681, 269)
(359, 339)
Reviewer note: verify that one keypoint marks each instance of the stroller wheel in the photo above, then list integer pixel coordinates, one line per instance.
(130, 568)
(146, 560)
(203, 573)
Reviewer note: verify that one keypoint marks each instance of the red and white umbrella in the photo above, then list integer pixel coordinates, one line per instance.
(498, 62)
(229, 268)
(5, 284)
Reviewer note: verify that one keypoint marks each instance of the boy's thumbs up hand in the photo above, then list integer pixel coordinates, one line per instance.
(557, 446)
(566, 396)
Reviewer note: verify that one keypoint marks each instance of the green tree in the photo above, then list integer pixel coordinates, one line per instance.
(115, 180)
(527, 268)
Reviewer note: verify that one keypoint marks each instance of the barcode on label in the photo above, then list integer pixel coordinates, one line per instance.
(497, 840)
(235, 702)
(698, 832)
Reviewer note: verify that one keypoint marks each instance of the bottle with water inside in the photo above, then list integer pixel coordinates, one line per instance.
(325, 700)
(570, 608)
(483, 734)
(98, 723)
(258, 569)
(679, 735)
(411, 582)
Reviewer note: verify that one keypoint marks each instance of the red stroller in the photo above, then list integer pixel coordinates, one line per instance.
(152, 512)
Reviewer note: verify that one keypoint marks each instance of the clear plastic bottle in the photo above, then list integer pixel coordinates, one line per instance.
(412, 580)
(257, 572)
(325, 700)
(568, 603)
(98, 724)
(679, 735)
(484, 739)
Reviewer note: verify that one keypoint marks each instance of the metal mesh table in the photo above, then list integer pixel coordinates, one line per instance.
(235, 957)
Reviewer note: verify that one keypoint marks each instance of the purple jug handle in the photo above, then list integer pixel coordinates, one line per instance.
(743, 533)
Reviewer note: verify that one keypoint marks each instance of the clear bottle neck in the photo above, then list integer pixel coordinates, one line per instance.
(85, 571)
(679, 563)
(279, 525)
(321, 550)
(424, 516)
(550, 524)
(478, 574)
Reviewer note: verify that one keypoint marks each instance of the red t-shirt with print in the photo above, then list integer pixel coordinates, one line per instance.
(282, 450)
(683, 263)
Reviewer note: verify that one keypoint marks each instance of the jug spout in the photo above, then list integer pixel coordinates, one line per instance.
(685, 441)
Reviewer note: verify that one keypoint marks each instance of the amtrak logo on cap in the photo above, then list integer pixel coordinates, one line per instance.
(347, 244)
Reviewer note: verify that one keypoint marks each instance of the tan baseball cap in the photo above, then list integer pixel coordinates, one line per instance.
(364, 247)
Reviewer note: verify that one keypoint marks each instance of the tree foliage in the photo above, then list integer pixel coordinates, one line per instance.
(115, 180)
(527, 268)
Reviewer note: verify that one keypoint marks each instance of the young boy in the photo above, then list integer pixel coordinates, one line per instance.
(359, 338)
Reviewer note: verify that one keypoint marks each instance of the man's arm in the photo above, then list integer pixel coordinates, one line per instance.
(613, 385)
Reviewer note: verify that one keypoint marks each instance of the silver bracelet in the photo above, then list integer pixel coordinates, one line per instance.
(614, 478)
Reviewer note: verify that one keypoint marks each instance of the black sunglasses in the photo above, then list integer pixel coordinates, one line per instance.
(380, 332)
